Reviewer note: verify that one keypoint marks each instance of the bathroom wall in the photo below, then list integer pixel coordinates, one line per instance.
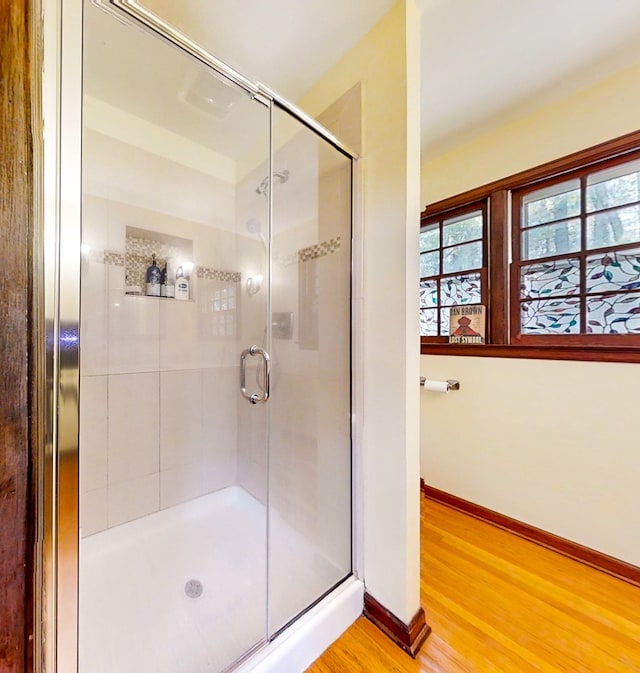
(550, 443)
(159, 377)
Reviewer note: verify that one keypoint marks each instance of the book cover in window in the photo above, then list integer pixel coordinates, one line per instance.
(467, 324)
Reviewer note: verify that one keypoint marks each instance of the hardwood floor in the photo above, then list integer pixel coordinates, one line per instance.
(500, 604)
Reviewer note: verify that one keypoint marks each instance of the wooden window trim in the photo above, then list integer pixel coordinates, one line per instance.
(498, 195)
(482, 271)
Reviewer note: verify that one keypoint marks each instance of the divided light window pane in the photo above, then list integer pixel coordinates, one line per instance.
(614, 227)
(615, 186)
(462, 229)
(462, 257)
(551, 239)
(429, 264)
(430, 238)
(552, 203)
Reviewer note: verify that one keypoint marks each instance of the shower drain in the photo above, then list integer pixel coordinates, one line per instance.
(193, 588)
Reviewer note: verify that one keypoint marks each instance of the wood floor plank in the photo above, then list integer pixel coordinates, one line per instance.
(501, 604)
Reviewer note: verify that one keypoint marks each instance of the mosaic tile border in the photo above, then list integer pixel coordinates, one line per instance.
(141, 262)
(319, 250)
(217, 274)
(312, 252)
(138, 263)
(114, 258)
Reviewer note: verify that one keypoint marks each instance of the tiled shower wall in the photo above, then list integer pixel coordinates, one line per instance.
(159, 377)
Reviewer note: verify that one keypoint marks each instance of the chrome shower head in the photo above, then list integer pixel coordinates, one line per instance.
(281, 176)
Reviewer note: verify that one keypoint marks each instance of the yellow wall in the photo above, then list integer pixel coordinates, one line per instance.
(386, 62)
(610, 108)
(550, 443)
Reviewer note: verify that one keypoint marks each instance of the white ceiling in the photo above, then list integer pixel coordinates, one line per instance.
(483, 61)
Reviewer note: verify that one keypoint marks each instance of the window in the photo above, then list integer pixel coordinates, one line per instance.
(452, 267)
(576, 260)
(552, 252)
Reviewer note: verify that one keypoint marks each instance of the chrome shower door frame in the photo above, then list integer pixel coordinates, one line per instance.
(57, 551)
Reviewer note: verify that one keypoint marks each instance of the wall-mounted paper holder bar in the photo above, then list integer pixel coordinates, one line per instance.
(452, 384)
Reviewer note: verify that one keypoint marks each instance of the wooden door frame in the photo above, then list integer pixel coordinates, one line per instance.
(16, 314)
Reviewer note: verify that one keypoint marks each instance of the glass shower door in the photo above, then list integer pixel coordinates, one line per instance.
(173, 451)
(310, 431)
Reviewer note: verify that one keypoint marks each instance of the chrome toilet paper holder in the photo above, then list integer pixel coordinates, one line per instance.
(452, 384)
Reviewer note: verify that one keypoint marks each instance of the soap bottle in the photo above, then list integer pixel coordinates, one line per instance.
(163, 282)
(182, 285)
(171, 278)
(153, 278)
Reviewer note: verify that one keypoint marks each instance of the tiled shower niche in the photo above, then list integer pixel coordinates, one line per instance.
(142, 244)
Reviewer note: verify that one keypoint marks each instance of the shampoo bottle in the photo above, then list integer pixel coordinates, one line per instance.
(153, 278)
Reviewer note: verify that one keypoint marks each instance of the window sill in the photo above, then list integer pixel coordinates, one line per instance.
(582, 353)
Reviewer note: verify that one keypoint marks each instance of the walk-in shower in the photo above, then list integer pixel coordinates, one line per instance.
(215, 484)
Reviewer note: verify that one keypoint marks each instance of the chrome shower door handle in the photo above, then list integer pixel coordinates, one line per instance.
(254, 398)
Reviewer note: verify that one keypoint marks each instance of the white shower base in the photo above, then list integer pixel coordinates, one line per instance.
(135, 616)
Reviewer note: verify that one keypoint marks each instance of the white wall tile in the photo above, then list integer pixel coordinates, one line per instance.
(93, 511)
(253, 478)
(180, 484)
(180, 418)
(119, 215)
(93, 432)
(115, 277)
(220, 399)
(133, 426)
(219, 469)
(132, 499)
(133, 333)
(95, 223)
(93, 319)
(179, 343)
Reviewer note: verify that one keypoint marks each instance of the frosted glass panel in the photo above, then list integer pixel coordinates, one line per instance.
(553, 316)
(549, 279)
(613, 314)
